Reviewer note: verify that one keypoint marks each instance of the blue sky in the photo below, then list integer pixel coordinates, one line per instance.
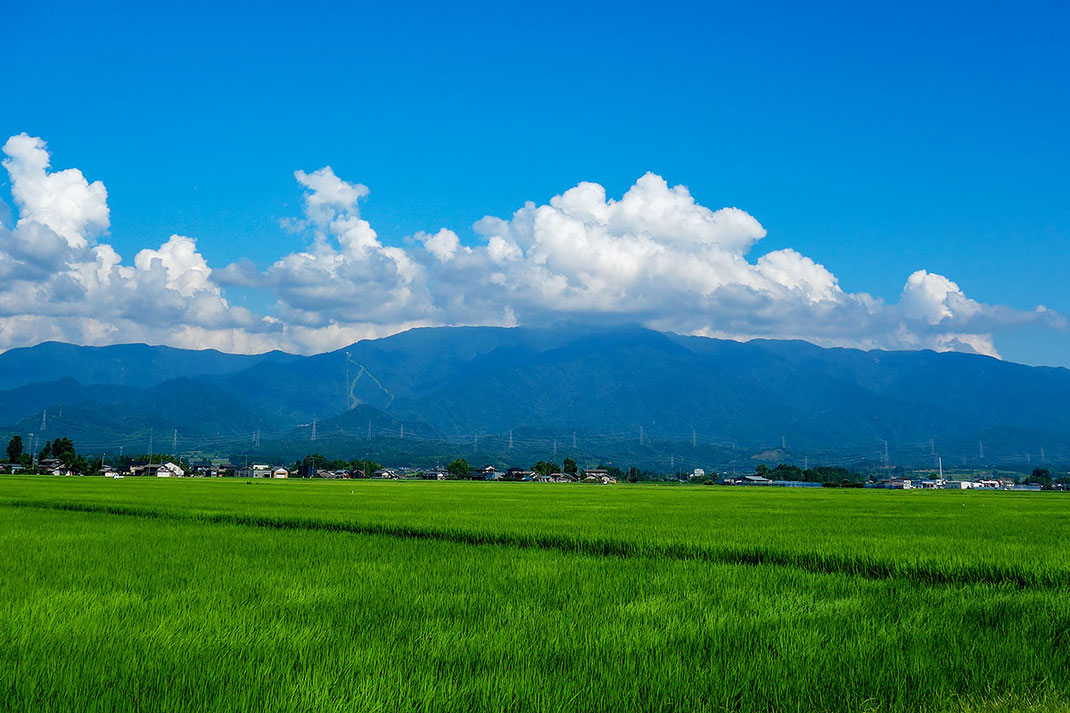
(875, 141)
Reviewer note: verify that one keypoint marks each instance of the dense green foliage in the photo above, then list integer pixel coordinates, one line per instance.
(179, 595)
(308, 466)
(458, 469)
(14, 449)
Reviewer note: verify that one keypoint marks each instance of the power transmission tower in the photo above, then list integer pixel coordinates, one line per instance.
(555, 446)
(510, 439)
(783, 443)
(694, 437)
(640, 435)
(981, 449)
(369, 436)
(44, 420)
(573, 440)
(313, 429)
(1043, 458)
(174, 442)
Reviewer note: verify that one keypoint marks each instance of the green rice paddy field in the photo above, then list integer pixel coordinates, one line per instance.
(200, 595)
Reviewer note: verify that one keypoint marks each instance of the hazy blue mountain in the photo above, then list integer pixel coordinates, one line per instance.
(120, 365)
(465, 389)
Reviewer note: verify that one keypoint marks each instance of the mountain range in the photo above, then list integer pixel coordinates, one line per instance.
(623, 394)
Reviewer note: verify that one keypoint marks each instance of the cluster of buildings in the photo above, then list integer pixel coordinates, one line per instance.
(893, 483)
(942, 484)
(259, 470)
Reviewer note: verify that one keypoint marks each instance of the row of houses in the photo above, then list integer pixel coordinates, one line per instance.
(942, 484)
(893, 484)
(260, 470)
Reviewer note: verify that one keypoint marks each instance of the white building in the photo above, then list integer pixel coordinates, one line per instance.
(169, 470)
(280, 473)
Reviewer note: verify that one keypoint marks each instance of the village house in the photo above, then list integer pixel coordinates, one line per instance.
(158, 470)
(52, 466)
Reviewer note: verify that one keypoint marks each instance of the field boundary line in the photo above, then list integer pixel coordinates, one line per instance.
(817, 563)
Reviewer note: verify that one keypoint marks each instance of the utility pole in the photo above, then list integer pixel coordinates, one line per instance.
(150, 445)
(940, 461)
(33, 451)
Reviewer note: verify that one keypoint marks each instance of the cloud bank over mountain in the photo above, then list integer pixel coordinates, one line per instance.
(654, 256)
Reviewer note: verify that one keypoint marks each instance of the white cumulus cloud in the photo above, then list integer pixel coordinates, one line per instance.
(653, 256)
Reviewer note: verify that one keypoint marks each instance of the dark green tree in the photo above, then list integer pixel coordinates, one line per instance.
(63, 449)
(1041, 477)
(612, 471)
(368, 466)
(458, 469)
(14, 449)
(570, 467)
(546, 468)
(634, 476)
